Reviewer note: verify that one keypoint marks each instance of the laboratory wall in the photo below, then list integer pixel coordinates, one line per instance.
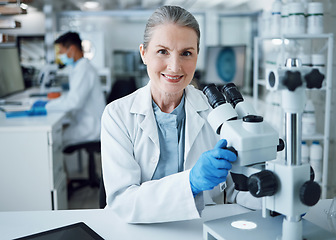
(124, 32)
(119, 32)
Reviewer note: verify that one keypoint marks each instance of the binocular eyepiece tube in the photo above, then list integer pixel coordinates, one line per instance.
(229, 93)
(215, 97)
(232, 94)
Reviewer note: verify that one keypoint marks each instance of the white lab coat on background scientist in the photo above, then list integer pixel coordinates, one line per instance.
(85, 100)
(154, 172)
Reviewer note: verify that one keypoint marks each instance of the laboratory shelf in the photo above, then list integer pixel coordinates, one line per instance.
(327, 88)
(262, 82)
(318, 137)
(307, 36)
(298, 36)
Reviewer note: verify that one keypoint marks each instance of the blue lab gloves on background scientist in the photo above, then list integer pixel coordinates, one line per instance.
(85, 100)
(160, 156)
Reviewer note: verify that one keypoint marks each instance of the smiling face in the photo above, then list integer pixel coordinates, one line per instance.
(171, 57)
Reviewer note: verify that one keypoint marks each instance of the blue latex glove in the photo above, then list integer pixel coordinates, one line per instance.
(40, 104)
(211, 168)
(38, 109)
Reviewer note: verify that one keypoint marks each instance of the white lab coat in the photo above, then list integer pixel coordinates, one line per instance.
(85, 103)
(130, 154)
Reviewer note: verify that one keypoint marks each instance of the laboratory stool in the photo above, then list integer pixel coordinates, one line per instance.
(91, 147)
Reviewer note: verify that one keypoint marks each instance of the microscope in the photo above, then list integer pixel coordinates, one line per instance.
(286, 185)
(46, 76)
(252, 139)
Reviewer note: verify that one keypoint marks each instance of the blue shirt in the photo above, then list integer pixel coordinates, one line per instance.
(171, 137)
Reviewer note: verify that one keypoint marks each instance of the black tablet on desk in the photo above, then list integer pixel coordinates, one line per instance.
(70, 232)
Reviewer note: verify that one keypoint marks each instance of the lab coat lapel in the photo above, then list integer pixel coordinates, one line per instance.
(143, 105)
(194, 122)
(149, 127)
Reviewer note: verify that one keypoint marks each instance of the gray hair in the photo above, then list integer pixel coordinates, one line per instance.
(171, 14)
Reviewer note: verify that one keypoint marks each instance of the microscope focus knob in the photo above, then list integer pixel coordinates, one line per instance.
(310, 193)
(263, 183)
(292, 80)
(314, 79)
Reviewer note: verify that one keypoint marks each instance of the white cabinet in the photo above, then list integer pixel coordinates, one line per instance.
(259, 82)
(32, 175)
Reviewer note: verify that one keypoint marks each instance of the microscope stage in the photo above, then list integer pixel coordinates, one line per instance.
(253, 226)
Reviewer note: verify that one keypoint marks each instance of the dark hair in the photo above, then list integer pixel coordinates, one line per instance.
(70, 38)
(171, 14)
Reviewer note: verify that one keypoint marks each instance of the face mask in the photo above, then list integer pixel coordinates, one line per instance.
(65, 60)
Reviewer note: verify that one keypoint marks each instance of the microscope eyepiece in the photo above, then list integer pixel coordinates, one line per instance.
(215, 97)
(232, 94)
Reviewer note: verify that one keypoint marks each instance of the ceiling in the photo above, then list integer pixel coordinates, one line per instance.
(73, 5)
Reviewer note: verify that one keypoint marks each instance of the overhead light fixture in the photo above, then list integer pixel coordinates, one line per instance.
(23, 6)
(278, 41)
(236, 3)
(91, 5)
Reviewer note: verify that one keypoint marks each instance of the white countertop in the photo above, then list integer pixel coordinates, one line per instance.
(31, 123)
(110, 226)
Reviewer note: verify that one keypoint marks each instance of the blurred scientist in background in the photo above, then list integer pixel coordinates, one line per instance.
(85, 100)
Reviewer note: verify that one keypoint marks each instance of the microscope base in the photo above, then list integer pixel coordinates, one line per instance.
(266, 228)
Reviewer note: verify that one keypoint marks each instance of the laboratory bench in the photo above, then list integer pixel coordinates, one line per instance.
(109, 226)
(32, 175)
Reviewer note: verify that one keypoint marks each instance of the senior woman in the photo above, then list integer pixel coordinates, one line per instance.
(161, 159)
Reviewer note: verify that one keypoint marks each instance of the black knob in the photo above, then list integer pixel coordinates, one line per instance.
(314, 79)
(281, 145)
(253, 118)
(292, 80)
(312, 174)
(232, 149)
(240, 181)
(262, 184)
(310, 193)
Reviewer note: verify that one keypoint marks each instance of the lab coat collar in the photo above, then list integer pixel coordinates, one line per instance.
(81, 61)
(195, 100)
(194, 104)
(194, 122)
(143, 100)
